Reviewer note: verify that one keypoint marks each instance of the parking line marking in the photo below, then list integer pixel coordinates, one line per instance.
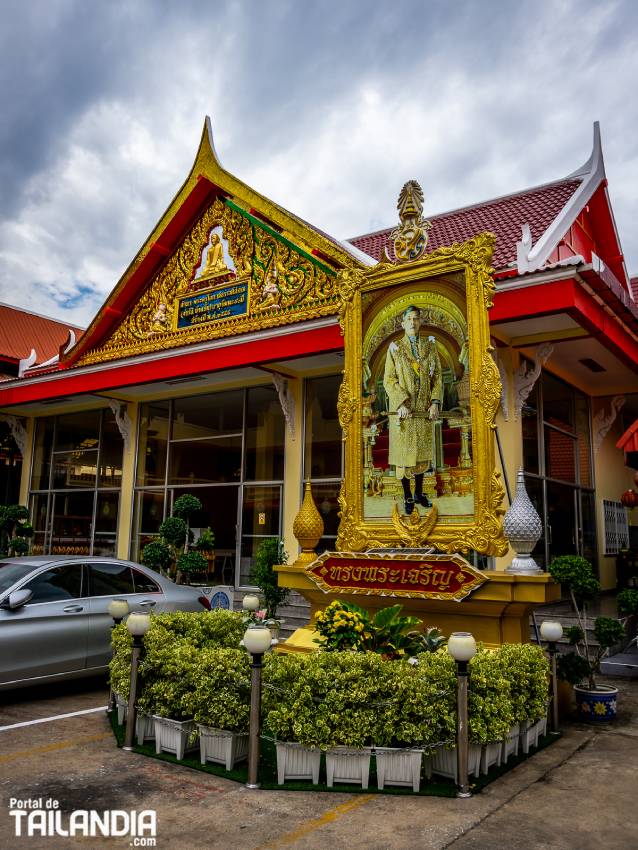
(51, 719)
(315, 823)
(49, 748)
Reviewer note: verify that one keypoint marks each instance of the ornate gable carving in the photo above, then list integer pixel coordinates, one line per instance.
(273, 282)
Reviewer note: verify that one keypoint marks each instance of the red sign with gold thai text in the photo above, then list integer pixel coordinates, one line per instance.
(428, 576)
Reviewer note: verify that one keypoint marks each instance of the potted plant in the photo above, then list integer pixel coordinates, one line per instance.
(169, 672)
(527, 670)
(221, 705)
(269, 554)
(490, 711)
(593, 701)
(289, 714)
(205, 544)
(416, 712)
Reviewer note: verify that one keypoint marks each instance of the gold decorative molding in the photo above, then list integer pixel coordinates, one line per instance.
(286, 284)
(459, 278)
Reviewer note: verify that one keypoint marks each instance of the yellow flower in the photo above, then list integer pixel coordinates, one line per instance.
(600, 708)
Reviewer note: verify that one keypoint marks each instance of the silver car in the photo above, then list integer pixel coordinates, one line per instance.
(54, 620)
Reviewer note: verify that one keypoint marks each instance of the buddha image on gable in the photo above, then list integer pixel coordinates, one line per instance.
(416, 405)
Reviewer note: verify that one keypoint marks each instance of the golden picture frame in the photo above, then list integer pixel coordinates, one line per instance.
(420, 472)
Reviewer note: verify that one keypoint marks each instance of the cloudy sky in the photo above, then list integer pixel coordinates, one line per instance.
(325, 106)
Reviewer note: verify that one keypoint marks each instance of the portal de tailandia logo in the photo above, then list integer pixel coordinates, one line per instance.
(41, 817)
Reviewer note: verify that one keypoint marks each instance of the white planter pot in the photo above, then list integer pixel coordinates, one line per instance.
(398, 767)
(444, 761)
(144, 728)
(491, 755)
(294, 761)
(530, 731)
(344, 764)
(221, 746)
(511, 743)
(172, 736)
(122, 709)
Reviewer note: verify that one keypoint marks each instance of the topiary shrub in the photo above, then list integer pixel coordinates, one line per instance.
(577, 576)
(490, 710)
(157, 555)
(174, 531)
(191, 562)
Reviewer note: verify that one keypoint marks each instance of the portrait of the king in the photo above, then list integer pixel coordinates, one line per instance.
(416, 420)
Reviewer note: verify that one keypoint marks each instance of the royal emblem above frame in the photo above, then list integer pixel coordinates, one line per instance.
(417, 404)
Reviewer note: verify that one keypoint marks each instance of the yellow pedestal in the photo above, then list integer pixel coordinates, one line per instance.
(498, 612)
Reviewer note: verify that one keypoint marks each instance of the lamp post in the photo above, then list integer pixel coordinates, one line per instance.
(552, 632)
(256, 641)
(118, 609)
(137, 624)
(462, 647)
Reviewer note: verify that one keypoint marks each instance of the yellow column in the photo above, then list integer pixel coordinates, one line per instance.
(125, 514)
(293, 471)
(25, 472)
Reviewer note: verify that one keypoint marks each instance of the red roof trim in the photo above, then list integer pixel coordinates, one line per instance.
(123, 374)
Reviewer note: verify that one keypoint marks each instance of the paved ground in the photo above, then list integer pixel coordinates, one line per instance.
(578, 794)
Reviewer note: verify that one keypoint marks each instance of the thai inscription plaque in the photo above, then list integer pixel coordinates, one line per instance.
(422, 576)
(213, 305)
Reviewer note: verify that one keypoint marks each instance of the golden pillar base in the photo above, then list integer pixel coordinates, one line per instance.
(498, 612)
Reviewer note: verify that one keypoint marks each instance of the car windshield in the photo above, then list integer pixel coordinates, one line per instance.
(10, 573)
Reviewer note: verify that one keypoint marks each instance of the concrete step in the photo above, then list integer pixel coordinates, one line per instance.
(294, 614)
(623, 663)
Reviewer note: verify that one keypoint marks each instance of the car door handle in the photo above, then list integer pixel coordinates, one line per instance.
(150, 602)
(73, 609)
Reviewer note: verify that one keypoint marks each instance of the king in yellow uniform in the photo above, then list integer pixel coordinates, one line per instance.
(413, 382)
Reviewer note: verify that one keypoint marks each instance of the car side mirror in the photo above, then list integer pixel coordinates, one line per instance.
(17, 599)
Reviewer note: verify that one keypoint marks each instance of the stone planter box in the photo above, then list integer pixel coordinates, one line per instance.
(173, 736)
(221, 746)
(398, 767)
(294, 761)
(444, 761)
(345, 764)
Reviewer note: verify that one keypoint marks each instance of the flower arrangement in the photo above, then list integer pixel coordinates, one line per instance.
(346, 626)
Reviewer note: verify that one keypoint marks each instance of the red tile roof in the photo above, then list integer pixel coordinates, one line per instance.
(20, 331)
(633, 281)
(502, 216)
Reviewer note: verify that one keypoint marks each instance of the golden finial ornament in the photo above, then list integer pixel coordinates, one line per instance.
(308, 526)
(410, 238)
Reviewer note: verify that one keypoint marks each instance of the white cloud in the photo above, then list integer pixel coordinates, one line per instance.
(328, 124)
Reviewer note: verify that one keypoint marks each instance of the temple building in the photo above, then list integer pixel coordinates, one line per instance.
(214, 367)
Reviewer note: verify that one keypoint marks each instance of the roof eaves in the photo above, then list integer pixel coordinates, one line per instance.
(532, 257)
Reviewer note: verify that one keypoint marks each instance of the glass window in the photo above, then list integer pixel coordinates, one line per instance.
(42, 447)
(74, 469)
(260, 520)
(323, 437)
(77, 431)
(529, 427)
(584, 440)
(111, 452)
(152, 444)
(10, 573)
(56, 584)
(560, 455)
(110, 579)
(39, 514)
(208, 415)
(143, 584)
(71, 524)
(205, 461)
(264, 435)
(558, 407)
